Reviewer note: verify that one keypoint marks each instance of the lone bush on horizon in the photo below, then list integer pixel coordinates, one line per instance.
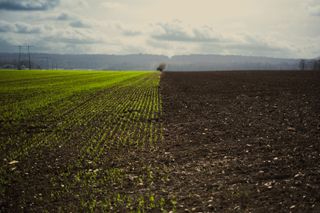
(161, 67)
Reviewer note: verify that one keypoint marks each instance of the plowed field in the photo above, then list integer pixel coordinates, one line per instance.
(243, 141)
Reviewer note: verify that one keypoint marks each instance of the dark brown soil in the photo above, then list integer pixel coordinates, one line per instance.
(243, 141)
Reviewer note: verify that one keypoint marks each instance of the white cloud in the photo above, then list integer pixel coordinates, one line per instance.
(206, 40)
(176, 31)
(112, 4)
(79, 24)
(314, 7)
(28, 5)
(64, 17)
(6, 27)
(269, 28)
(60, 39)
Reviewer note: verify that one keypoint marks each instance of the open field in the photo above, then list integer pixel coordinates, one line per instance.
(89, 141)
(243, 141)
(67, 136)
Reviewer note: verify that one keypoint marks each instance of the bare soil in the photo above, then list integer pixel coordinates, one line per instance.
(243, 141)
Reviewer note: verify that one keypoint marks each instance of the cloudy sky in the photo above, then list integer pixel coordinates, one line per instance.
(276, 28)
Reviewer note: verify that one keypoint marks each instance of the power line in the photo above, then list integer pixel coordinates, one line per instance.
(24, 50)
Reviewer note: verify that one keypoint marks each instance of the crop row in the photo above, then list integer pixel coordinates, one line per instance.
(74, 126)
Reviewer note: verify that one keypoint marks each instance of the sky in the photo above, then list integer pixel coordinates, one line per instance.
(273, 28)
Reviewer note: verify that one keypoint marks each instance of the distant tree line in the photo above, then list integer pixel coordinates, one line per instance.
(15, 64)
(309, 64)
(316, 65)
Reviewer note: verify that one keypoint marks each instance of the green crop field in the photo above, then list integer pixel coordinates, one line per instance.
(72, 140)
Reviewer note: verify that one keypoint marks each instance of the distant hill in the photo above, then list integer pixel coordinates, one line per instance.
(96, 62)
(221, 62)
(150, 62)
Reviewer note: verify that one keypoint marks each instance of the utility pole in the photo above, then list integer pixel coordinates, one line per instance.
(52, 64)
(48, 65)
(316, 65)
(302, 64)
(19, 57)
(28, 46)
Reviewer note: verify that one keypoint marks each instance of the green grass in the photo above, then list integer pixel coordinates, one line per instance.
(67, 126)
